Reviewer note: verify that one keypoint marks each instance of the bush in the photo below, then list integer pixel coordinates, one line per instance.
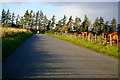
(51, 31)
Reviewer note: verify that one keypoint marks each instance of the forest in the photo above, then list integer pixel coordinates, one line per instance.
(37, 21)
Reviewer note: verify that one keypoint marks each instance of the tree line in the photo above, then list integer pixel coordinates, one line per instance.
(39, 21)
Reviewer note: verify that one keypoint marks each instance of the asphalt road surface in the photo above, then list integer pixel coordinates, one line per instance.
(42, 56)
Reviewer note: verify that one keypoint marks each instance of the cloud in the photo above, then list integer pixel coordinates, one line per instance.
(92, 10)
(59, 0)
(107, 10)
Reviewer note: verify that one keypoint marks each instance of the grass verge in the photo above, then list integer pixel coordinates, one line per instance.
(112, 51)
(10, 43)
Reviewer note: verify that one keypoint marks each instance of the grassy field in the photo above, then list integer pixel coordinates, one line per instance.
(11, 39)
(7, 31)
(112, 51)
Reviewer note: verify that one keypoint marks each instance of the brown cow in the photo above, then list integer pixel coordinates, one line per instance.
(84, 34)
(113, 37)
(90, 35)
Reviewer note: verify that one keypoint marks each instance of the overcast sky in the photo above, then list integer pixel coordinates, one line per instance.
(107, 10)
(59, 0)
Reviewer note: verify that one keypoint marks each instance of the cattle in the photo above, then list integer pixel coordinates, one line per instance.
(84, 34)
(112, 37)
(104, 35)
(90, 35)
(75, 33)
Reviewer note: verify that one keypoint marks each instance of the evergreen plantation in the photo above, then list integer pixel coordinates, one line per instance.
(37, 21)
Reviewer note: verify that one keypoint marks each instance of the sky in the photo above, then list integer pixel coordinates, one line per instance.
(59, 0)
(107, 10)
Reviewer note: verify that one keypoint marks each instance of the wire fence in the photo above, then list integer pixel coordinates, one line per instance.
(106, 40)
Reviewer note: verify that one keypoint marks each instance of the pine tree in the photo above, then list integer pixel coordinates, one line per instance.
(58, 25)
(113, 24)
(36, 18)
(8, 18)
(48, 26)
(64, 20)
(105, 27)
(30, 18)
(70, 22)
(108, 27)
(77, 24)
(41, 16)
(101, 25)
(96, 25)
(52, 21)
(13, 18)
(85, 23)
(33, 20)
(26, 18)
(45, 21)
(21, 23)
(101, 21)
(68, 26)
(3, 18)
(17, 19)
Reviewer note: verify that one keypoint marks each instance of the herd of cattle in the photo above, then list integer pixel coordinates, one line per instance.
(113, 37)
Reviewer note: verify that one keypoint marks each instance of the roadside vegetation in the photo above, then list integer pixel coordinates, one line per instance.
(12, 38)
(112, 51)
(38, 22)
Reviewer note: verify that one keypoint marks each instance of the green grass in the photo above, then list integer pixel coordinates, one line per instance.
(10, 43)
(112, 51)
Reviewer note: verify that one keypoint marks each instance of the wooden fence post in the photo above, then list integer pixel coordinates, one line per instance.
(110, 40)
(119, 45)
(80, 36)
(88, 37)
(105, 39)
(92, 38)
(117, 42)
(96, 38)
(101, 39)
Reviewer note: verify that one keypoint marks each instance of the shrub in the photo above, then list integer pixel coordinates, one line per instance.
(51, 31)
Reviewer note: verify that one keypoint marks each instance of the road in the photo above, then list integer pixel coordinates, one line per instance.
(42, 56)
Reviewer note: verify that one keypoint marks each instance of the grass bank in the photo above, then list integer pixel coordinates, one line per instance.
(12, 41)
(112, 51)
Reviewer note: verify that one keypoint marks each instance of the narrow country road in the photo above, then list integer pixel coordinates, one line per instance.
(42, 56)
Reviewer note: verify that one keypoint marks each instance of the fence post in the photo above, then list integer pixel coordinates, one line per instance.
(110, 40)
(88, 37)
(101, 39)
(105, 39)
(117, 42)
(80, 36)
(96, 38)
(118, 46)
(92, 38)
